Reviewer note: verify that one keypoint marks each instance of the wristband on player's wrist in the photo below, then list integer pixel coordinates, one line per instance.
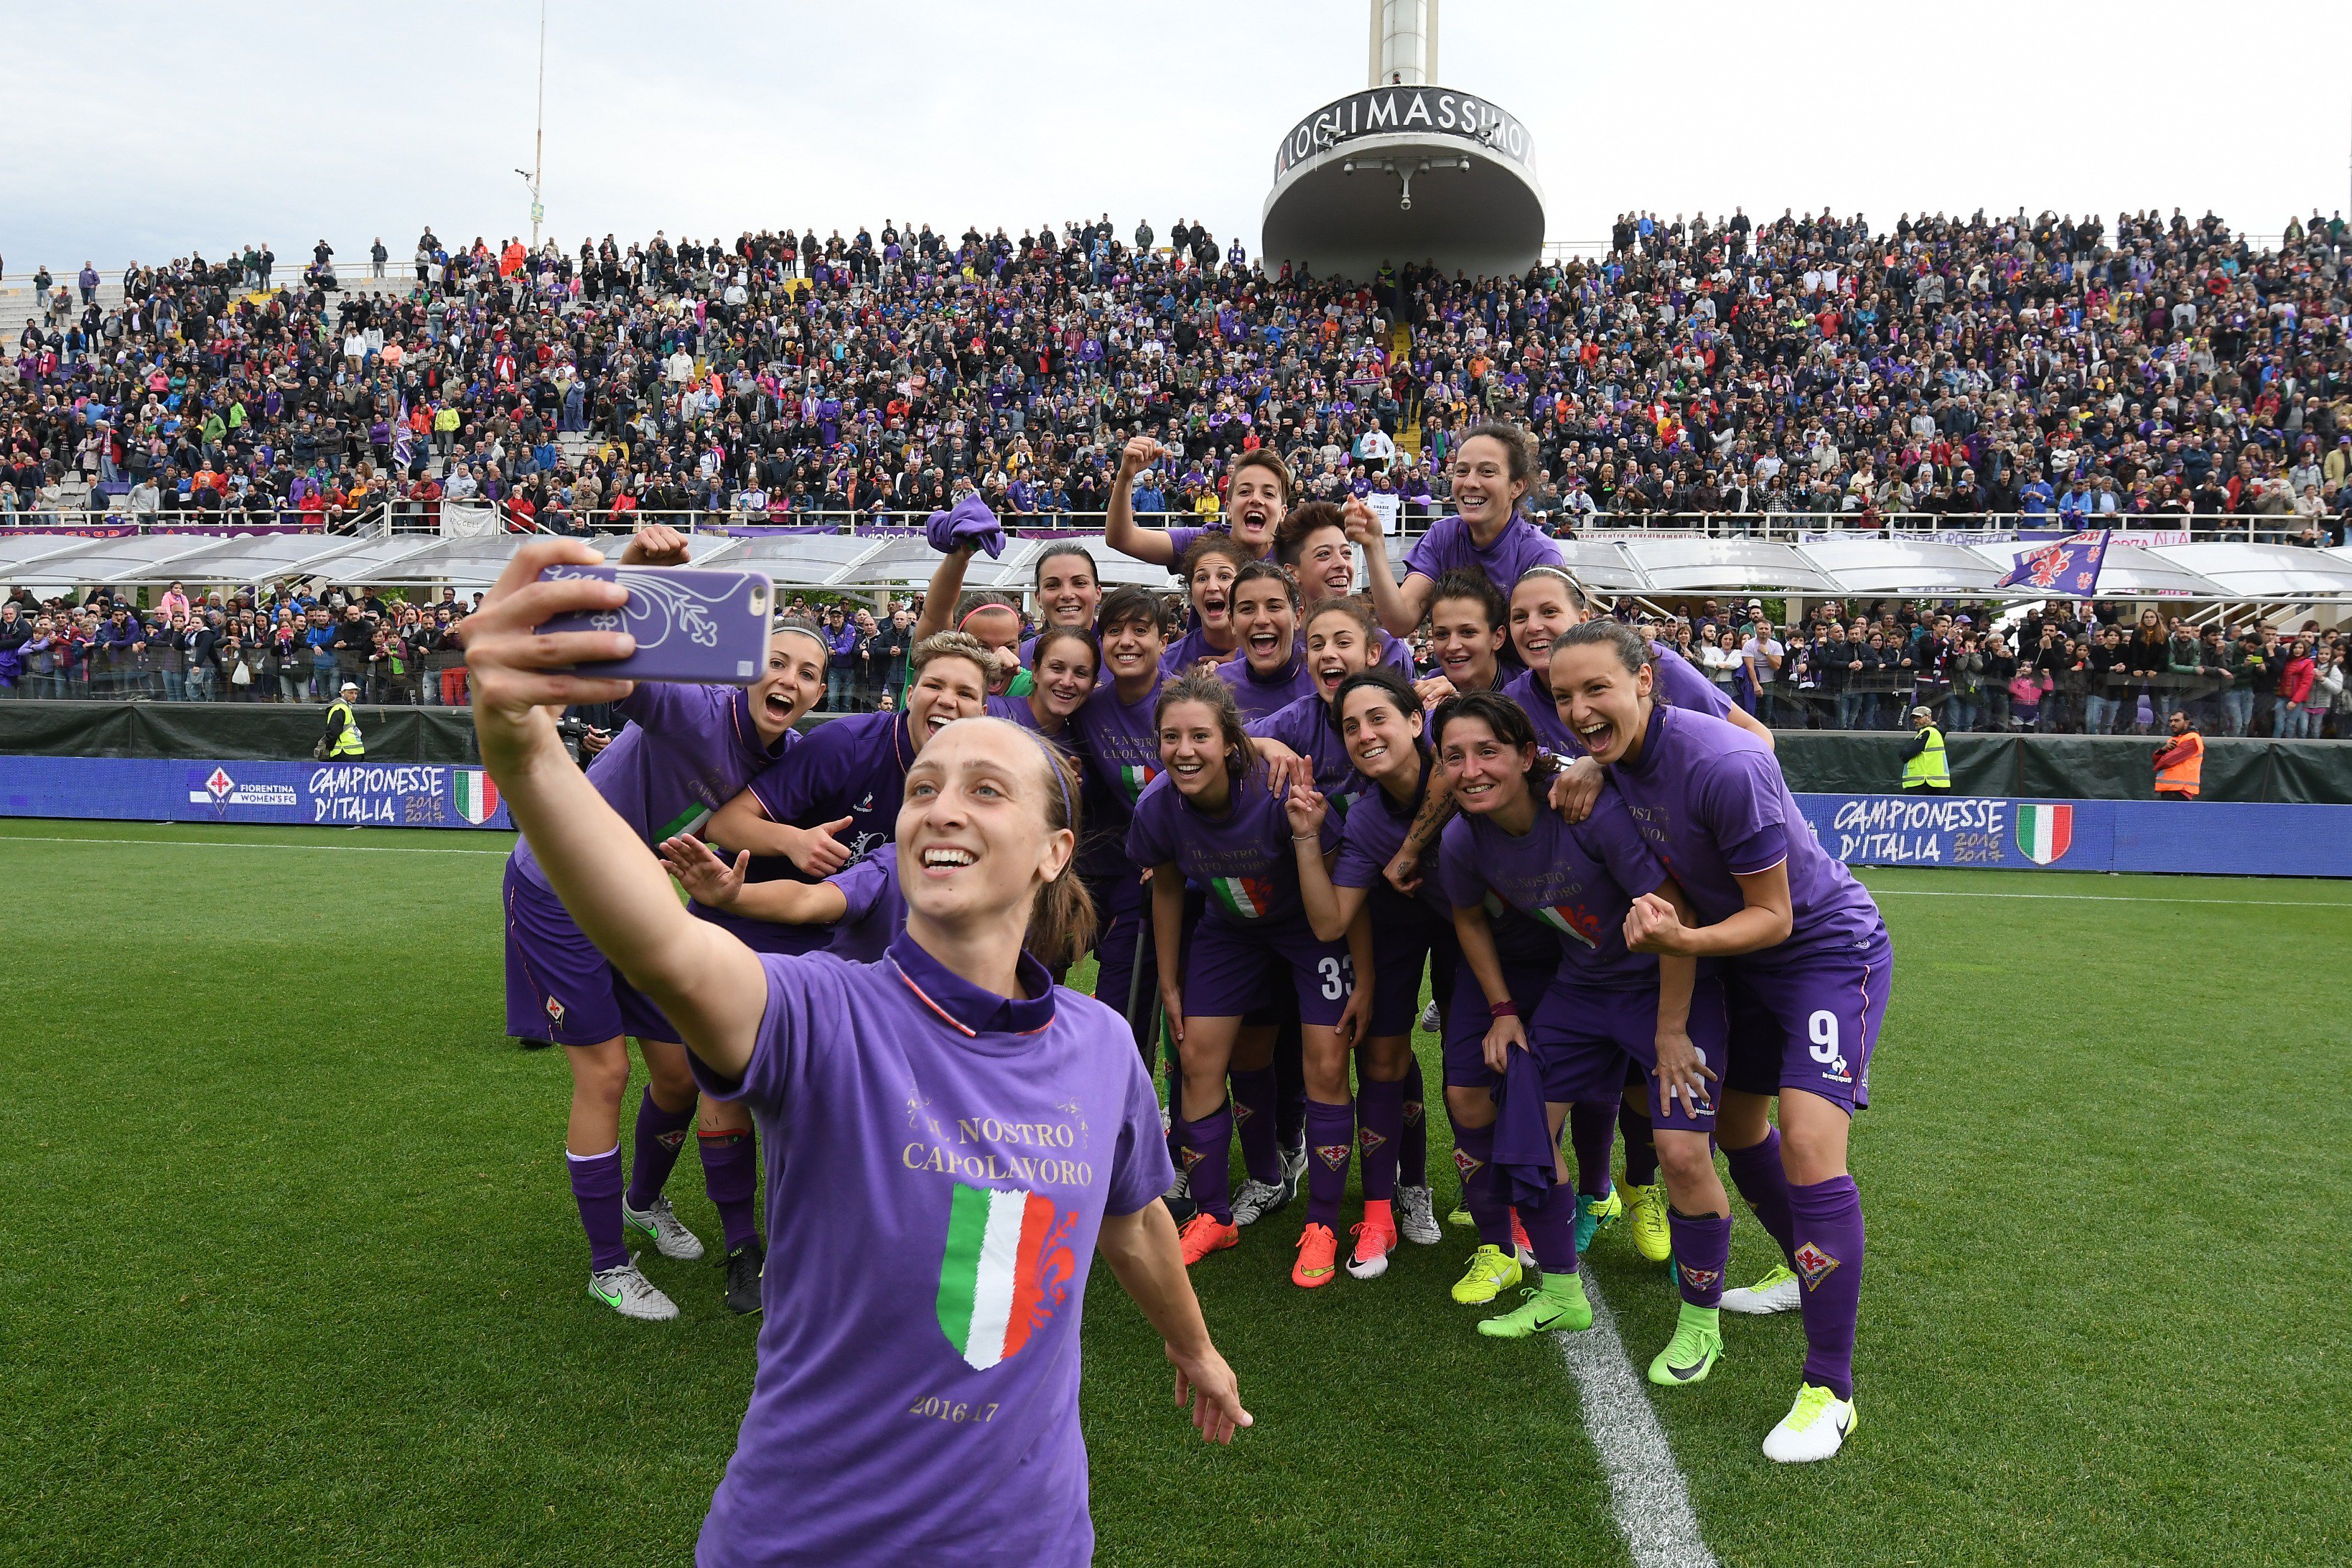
(1502, 1009)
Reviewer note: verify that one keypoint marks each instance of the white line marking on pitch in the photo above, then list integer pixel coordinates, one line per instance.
(236, 844)
(2112, 897)
(1646, 1490)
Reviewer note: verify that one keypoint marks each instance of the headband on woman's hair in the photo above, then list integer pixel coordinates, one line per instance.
(983, 609)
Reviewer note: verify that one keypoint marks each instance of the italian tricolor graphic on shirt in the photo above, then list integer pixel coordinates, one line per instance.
(1133, 777)
(1570, 921)
(477, 796)
(1244, 898)
(1002, 1274)
(2044, 833)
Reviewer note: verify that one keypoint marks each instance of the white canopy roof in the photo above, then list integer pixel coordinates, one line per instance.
(2265, 571)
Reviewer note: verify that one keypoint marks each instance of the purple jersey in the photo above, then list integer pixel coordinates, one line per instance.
(1576, 880)
(1711, 799)
(1674, 682)
(687, 751)
(1013, 710)
(1305, 726)
(1242, 858)
(1370, 837)
(1257, 695)
(877, 912)
(854, 767)
(1188, 650)
(1448, 544)
(923, 1406)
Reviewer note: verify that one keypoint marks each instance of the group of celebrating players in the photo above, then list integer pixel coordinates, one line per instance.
(1626, 929)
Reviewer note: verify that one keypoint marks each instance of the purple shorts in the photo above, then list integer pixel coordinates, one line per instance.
(558, 987)
(1235, 971)
(1468, 1017)
(1810, 1025)
(1586, 1039)
(1401, 948)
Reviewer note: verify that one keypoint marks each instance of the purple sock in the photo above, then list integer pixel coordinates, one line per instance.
(731, 1173)
(1474, 1155)
(1208, 1149)
(1252, 1108)
(1412, 1146)
(1756, 1172)
(1591, 1129)
(1379, 1124)
(1828, 1258)
(1702, 1252)
(1551, 1223)
(1640, 1146)
(1330, 1138)
(1289, 1088)
(597, 1187)
(660, 1135)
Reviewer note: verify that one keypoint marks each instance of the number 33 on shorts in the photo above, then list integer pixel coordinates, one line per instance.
(1823, 1027)
(1338, 977)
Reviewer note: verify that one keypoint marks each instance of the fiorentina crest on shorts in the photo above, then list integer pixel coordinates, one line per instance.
(2045, 831)
(1814, 1264)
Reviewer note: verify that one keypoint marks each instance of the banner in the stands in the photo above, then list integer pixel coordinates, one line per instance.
(332, 795)
(1996, 833)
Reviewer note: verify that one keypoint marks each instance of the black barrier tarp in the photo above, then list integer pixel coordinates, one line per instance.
(1823, 762)
(227, 732)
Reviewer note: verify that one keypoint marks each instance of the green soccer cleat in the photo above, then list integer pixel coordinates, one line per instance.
(1557, 1304)
(1591, 1213)
(1692, 1353)
(1816, 1427)
(1646, 1216)
(1777, 1291)
(1492, 1271)
(1459, 1215)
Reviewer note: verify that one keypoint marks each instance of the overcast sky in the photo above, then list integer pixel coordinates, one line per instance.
(144, 131)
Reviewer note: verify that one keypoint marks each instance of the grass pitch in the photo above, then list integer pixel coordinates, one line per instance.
(296, 1277)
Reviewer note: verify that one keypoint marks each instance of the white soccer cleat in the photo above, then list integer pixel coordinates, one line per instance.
(660, 1225)
(1416, 1216)
(1259, 1199)
(631, 1294)
(1815, 1427)
(1430, 1020)
(1777, 1291)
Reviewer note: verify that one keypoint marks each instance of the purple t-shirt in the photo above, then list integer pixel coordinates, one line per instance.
(1373, 832)
(1013, 709)
(1674, 682)
(876, 913)
(1711, 801)
(854, 767)
(1118, 746)
(1259, 695)
(950, 1158)
(1242, 858)
(687, 750)
(1576, 880)
(1188, 650)
(1448, 544)
(1305, 726)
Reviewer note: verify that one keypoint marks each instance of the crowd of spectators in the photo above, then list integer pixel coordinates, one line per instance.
(2066, 667)
(2065, 371)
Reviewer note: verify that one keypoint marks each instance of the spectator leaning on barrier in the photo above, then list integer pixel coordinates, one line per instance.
(2179, 767)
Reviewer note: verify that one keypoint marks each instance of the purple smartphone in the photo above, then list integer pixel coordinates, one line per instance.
(693, 625)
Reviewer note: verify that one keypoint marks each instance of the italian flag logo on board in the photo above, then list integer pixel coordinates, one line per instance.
(1003, 1272)
(2044, 832)
(478, 797)
(1244, 898)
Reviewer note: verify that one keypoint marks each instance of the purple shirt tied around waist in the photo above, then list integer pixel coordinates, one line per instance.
(1576, 880)
(923, 1406)
(1711, 799)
